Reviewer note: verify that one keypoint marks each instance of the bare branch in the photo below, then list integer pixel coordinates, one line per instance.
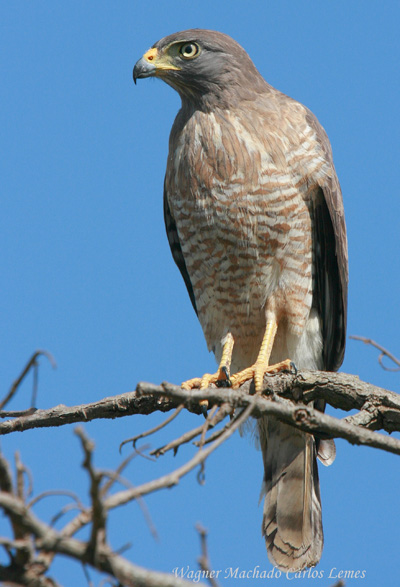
(134, 439)
(56, 492)
(166, 481)
(106, 560)
(174, 477)
(31, 363)
(384, 353)
(204, 560)
(379, 408)
(99, 512)
(32, 552)
(210, 422)
(300, 416)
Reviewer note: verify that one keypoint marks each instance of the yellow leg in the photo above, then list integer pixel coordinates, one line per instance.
(262, 366)
(223, 373)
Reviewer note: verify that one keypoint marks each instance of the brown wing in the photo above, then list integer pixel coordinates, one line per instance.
(331, 259)
(176, 249)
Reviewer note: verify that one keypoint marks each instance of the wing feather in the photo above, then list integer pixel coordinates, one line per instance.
(176, 249)
(330, 258)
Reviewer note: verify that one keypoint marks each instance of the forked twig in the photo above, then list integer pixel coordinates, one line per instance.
(173, 478)
(384, 353)
(216, 434)
(207, 424)
(134, 439)
(99, 512)
(203, 560)
(31, 363)
(117, 473)
(212, 420)
(21, 471)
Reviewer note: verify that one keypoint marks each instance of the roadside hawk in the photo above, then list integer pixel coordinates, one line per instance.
(255, 222)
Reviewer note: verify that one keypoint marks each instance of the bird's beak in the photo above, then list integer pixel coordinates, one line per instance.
(152, 63)
(143, 68)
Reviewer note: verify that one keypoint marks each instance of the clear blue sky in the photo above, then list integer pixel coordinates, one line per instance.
(86, 271)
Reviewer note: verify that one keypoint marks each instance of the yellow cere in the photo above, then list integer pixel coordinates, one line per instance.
(162, 62)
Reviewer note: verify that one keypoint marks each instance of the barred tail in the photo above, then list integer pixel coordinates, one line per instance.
(292, 521)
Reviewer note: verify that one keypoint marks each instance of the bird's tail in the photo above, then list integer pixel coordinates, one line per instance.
(292, 521)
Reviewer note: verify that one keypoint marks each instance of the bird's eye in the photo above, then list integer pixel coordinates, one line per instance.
(189, 50)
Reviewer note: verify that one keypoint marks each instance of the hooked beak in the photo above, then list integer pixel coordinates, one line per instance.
(143, 68)
(152, 63)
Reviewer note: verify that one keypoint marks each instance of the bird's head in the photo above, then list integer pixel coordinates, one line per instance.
(201, 65)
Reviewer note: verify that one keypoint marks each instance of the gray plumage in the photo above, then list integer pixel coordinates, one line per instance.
(255, 221)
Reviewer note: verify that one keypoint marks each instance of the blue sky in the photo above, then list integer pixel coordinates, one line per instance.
(86, 271)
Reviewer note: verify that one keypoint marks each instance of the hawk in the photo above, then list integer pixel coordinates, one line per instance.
(254, 218)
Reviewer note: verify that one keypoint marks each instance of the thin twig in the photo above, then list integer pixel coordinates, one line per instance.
(56, 492)
(31, 363)
(6, 481)
(99, 517)
(212, 436)
(207, 423)
(203, 560)
(168, 480)
(67, 508)
(137, 452)
(211, 421)
(107, 560)
(177, 442)
(174, 477)
(21, 471)
(114, 476)
(17, 413)
(134, 439)
(384, 353)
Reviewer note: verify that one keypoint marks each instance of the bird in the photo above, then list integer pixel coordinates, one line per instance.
(255, 221)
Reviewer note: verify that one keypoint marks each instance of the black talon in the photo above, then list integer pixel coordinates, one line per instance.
(225, 382)
(293, 367)
(203, 408)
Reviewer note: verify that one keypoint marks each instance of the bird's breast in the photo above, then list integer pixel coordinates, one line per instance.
(243, 226)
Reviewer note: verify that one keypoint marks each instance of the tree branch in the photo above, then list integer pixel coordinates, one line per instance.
(286, 396)
(40, 542)
(105, 560)
(377, 408)
(32, 363)
(384, 353)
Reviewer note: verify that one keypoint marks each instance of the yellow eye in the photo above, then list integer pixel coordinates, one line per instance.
(189, 50)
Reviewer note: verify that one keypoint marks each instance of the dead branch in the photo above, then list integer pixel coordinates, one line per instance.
(134, 439)
(211, 421)
(32, 363)
(107, 561)
(39, 543)
(99, 513)
(378, 408)
(203, 560)
(287, 397)
(384, 353)
(300, 416)
(174, 477)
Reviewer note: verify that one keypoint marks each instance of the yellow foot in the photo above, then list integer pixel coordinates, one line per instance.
(257, 371)
(220, 378)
